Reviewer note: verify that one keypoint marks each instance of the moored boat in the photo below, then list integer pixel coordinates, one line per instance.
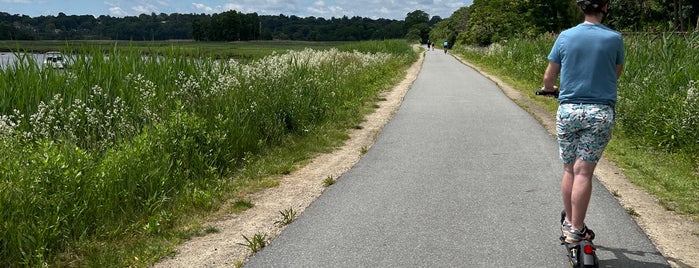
(54, 59)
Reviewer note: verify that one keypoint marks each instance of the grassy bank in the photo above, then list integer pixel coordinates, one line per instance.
(655, 140)
(221, 50)
(113, 161)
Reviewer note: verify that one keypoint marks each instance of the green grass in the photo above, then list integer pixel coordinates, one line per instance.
(288, 216)
(255, 243)
(221, 50)
(241, 205)
(114, 161)
(329, 181)
(655, 139)
(672, 177)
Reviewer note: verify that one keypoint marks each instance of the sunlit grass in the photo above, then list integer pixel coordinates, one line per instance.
(105, 162)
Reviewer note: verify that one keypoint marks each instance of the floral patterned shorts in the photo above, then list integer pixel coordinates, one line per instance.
(583, 130)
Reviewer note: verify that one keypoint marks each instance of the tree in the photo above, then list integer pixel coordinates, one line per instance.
(654, 15)
(416, 17)
(626, 15)
(6, 31)
(450, 28)
(413, 35)
(417, 23)
(492, 21)
(548, 16)
(200, 28)
(434, 20)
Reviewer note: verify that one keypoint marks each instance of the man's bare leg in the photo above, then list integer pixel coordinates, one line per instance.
(576, 190)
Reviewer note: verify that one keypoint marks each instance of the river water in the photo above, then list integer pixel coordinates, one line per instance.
(8, 59)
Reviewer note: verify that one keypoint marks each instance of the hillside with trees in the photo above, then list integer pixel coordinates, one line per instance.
(227, 26)
(490, 21)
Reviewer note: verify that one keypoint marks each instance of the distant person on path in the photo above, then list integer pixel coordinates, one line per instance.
(589, 58)
(446, 46)
(432, 46)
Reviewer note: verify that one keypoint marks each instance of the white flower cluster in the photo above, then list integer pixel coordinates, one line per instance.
(46, 120)
(186, 86)
(274, 71)
(691, 107)
(94, 123)
(8, 124)
(148, 97)
(277, 66)
(692, 93)
(100, 119)
(495, 49)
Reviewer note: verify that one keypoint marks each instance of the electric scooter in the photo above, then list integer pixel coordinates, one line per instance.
(583, 254)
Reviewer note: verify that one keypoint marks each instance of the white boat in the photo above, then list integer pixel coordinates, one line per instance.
(54, 60)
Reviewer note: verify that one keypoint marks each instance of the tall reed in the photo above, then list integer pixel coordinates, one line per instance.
(657, 91)
(659, 101)
(122, 145)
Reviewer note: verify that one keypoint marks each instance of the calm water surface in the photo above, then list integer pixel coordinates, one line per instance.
(8, 59)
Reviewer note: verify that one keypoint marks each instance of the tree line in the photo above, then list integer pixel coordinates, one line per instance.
(490, 21)
(87, 27)
(227, 26)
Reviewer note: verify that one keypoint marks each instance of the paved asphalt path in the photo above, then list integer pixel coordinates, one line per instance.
(460, 177)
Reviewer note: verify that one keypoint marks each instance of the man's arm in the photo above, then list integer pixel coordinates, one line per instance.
(619, 68)
(550, 76)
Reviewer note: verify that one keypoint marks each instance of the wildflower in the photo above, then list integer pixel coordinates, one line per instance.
(7, 125)
(692, 92)
(691, 107)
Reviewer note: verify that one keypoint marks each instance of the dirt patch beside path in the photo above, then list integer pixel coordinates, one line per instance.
(672, 234)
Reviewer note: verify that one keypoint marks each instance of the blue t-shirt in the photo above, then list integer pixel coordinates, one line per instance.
(588, 54)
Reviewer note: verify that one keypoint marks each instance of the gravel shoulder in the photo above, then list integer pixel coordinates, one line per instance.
(672, 234)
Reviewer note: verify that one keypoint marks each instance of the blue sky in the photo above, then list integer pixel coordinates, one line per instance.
(390, 9)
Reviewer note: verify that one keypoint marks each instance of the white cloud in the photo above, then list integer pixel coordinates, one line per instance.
(265, 7)
(143, 7)
(456, 5)
(203, 8)
(115, 10)
(140, 9)
(384, 11)
(146, 7)
(320, 10)
(235, 7)
(16, 1)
